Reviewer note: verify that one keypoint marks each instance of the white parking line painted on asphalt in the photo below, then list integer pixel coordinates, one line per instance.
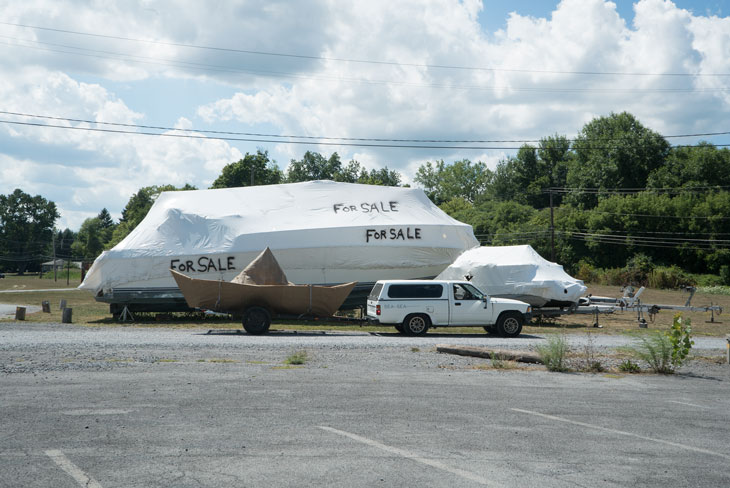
(621, 432)
(412, 456)
(71, 469)
(104, 411)
(687, 403)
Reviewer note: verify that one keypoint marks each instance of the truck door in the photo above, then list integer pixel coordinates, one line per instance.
(468, 306)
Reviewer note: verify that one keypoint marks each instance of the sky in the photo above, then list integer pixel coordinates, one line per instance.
(331, 72)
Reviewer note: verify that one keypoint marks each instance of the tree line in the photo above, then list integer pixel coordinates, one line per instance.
(618, 192)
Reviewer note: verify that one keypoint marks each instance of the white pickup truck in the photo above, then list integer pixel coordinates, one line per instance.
(412, 306)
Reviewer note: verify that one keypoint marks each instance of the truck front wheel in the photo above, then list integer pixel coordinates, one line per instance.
(256, 320)
(509, 324)
(416, 324)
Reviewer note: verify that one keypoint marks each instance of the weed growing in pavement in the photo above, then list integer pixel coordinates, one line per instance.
(554, 352)
(499, 362)
(680, 336)
(415, 349)
(628, 366)
(589, 362)
(665, 352)
(656, 351)
(299, 357)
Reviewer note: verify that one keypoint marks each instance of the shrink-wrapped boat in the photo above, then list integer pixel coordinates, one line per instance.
(517, 272)
(322, 233)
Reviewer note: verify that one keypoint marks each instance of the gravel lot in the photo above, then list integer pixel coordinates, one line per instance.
(127, 407)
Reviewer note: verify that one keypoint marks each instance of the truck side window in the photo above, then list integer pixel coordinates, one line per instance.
(461, 293)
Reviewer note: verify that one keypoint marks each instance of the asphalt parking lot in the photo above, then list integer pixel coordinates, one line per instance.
(124, 407)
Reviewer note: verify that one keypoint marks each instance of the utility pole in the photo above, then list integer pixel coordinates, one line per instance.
(54, 255)
(252, 175)
(552, 229)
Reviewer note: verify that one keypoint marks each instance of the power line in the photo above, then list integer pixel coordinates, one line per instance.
(661, 240)
(633, 191)
(662, 216)
(373, 139)
(219, 68)
(359, 61)
(275, 141)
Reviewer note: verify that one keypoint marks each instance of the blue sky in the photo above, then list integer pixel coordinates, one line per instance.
(60, 64)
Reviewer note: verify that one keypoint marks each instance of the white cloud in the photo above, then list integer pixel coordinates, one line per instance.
(327, 97)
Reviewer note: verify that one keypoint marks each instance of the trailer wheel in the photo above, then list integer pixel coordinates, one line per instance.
(416, 324)
(509, 324)
(256, 320)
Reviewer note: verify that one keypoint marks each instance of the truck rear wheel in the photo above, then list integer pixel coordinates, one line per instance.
(416, 324)
(509, 324)
(256, 320)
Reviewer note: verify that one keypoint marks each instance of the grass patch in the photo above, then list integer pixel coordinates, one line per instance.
(415, 349)
(553, 354)
(297, 358)
(628, 366)
(287, 366)
(656, 350)
(222, 360)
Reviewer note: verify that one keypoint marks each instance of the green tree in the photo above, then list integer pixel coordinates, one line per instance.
(89, 241)
(136, 210)
(26, 229)
(464, 179)
(526, 177)
(616, 151)
(64, 240)
(314, 166)
(264, 172)
(382, 177)
(703, 165)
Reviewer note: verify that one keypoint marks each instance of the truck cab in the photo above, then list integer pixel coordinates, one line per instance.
(414, 306)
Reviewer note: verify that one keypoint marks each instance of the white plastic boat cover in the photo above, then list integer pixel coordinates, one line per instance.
(516, 272)
(321, 232)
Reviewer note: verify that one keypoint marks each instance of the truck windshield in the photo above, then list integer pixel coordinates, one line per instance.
(476, 294)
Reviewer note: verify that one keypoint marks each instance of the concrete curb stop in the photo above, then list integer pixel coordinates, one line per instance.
(483, 352)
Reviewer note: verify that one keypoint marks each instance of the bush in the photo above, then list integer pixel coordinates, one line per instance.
(670, 277)
(553, 353)
(706, 280)
(665, 352)
(587, 272)
(656, 351)
(725, 274)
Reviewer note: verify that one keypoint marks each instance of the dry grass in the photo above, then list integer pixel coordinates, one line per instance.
(87, 311)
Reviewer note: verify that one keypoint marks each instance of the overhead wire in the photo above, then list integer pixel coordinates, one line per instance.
(373, 139)
(354, 60)
(278, 141)
(225, 69)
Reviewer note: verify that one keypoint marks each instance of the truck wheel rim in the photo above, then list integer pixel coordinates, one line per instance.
(416, 324)
(511, 325)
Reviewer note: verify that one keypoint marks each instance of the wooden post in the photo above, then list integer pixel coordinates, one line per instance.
(66, 315)
(19, 313)
(46, 306)
(728, 348)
